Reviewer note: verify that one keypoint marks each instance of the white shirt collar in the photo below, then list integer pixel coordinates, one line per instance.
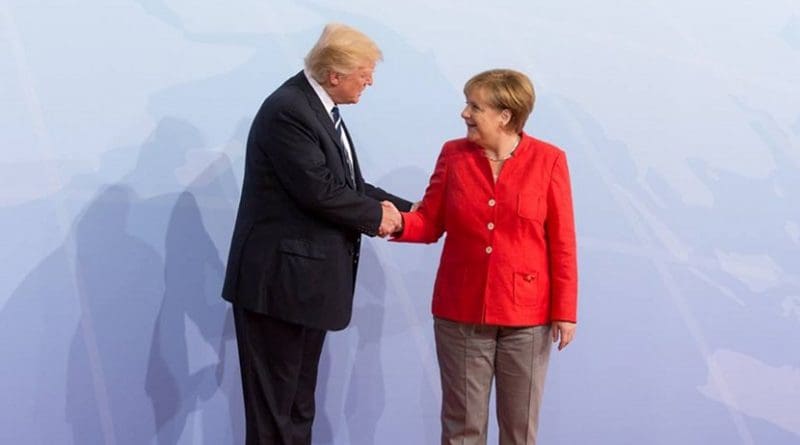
(326, 100)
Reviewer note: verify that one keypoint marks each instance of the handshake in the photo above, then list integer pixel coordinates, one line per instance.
(391, 220)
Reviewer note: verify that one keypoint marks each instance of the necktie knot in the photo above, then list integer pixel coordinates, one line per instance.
(337, 118)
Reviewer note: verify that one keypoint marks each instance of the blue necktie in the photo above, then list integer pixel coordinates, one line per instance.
(337, 123)
(337, 120)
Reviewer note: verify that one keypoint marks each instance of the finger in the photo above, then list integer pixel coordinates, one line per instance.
(554, 333)
(566, 338)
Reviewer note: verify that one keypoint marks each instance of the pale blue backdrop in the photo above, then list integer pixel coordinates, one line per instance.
(122, 127)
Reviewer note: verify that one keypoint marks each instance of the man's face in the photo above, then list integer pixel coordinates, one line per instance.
(347, 88)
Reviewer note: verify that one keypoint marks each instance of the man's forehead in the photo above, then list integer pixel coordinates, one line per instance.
(369, 67)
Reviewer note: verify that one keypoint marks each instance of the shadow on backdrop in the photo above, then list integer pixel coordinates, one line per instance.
(130, 348)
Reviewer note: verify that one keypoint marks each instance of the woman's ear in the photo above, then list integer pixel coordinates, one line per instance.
(506, 116)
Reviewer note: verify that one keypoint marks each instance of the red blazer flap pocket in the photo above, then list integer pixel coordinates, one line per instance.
(526, 288)
(530, 205)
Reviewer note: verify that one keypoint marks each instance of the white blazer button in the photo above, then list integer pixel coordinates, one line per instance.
(489, 249)
(492, 202)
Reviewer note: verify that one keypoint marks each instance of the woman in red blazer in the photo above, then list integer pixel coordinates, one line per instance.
(507, 280)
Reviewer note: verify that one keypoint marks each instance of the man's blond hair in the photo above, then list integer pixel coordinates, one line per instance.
(340, 49)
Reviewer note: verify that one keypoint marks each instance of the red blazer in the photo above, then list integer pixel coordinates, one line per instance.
(509, 256)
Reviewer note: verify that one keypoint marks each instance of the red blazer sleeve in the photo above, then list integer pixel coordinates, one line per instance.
(560, 229)
(426, 225)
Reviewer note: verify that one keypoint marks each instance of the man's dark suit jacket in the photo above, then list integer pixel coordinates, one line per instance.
(296, 241)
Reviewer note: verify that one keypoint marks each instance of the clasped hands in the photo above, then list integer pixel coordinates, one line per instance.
(391, 220)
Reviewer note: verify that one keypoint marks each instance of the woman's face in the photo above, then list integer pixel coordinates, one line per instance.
(485, 124)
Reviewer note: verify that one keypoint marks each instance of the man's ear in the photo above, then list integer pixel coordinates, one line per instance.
(333, 78)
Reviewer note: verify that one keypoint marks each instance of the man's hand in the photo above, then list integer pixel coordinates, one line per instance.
(563, 330)
(391, 220)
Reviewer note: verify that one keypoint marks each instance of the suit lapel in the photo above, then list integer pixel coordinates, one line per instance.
(325, 119)
(356, 170)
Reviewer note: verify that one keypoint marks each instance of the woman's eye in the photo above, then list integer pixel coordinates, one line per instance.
(473, 107)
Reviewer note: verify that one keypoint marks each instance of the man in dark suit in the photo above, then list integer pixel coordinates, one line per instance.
(292, 264)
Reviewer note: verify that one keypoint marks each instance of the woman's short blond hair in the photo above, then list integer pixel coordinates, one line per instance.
(506, 90)
(341, 49)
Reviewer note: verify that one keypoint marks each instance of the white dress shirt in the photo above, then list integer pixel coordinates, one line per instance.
(328, 103)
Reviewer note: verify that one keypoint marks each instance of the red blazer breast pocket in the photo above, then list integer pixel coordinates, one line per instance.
(531, 205)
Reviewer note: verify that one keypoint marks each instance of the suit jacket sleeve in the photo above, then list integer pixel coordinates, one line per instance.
(382, 195)
(560, 229)
(300, 166)
(427, 224)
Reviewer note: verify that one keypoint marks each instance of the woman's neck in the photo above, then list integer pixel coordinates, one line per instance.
(503, 148)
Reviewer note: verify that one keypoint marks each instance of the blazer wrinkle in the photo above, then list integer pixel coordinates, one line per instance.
(295, 246)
